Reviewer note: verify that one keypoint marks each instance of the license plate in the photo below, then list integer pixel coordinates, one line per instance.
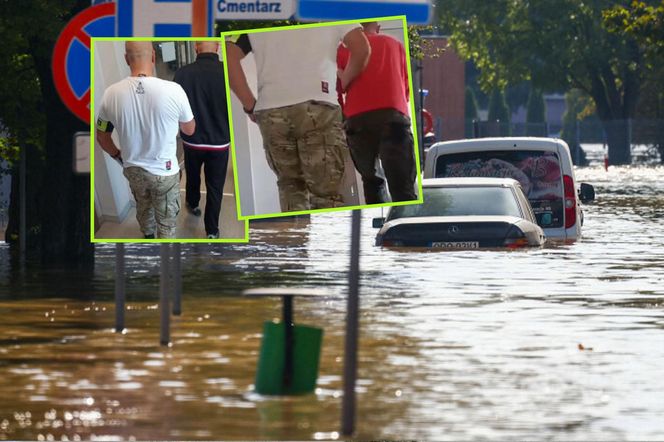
(456, 245)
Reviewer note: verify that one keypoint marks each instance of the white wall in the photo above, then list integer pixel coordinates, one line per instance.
(113, 198)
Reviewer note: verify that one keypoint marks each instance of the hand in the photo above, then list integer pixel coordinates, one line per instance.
(118, 158)
(250, 110)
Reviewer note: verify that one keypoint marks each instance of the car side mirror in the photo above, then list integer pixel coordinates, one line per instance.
(586, 192)
(377, 223)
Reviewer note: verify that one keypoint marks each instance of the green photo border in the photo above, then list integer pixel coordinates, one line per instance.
(93, 40)
(225, 35)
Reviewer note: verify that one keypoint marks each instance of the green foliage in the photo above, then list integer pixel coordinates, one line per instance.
(22, 119)
(470, 110)
(554, 44)
(35, 121)
(641, 21)
(419, 46)
(644, 23)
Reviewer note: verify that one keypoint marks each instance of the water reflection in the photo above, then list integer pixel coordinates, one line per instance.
(464, 345)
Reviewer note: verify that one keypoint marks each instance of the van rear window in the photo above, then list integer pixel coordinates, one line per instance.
(538, 173)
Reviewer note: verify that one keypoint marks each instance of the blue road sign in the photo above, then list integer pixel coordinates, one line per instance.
(416, 11)
(158, 18)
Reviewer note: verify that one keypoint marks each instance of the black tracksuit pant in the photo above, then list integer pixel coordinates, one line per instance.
(216, 164)
(384, 134)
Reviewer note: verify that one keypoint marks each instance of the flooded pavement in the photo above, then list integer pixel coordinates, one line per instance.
(564, 342)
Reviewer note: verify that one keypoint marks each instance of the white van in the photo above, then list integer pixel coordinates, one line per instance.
(543, 167)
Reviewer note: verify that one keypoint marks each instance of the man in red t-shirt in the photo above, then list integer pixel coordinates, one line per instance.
(377, 119)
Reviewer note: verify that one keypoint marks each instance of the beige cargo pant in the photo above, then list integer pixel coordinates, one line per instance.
(157, 201)
(304, 146)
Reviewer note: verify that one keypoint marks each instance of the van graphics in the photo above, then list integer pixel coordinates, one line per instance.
(539, 174)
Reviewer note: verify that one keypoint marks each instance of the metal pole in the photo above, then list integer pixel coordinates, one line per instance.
(629, 141)
(119, 287)
(177, 279)
(288, 338)
(352, 324)
(164, 311)
(577, 142)
(420, 126)
(22, 206)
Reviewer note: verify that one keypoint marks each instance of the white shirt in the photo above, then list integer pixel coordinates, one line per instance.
(146, 112)
(297, 65)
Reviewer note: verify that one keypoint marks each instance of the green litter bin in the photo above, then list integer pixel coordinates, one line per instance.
(289, 356)
(273, 375)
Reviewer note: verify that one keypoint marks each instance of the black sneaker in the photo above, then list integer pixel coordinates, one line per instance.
(151, 236)
(194, 210)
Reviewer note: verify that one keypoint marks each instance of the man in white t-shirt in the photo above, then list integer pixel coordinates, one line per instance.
(147, 113)
(297, 109)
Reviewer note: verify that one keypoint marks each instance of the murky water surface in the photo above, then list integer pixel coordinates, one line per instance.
(460, 345)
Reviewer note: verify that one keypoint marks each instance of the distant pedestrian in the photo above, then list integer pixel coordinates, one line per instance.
(296, 108)
(377, 119)
(203, 81)
(147, 113)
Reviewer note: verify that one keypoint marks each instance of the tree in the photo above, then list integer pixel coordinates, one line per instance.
(557, 45)
(470, 112)
(471, 105)
(36, 121)
(645, 23)
(535, 113)
(576, 108)
(499, 112)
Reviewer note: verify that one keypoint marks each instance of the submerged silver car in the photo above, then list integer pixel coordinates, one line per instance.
(463, 213)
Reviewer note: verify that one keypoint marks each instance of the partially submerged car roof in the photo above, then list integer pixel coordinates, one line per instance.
(473, 144)
(469, 182)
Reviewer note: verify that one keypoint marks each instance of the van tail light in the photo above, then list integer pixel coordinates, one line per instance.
(570, 201)
(515, 239)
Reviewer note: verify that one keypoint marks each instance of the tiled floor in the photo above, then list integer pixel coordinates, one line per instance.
(189, 226)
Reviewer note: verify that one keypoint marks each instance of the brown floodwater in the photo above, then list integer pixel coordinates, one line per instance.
(456, 345)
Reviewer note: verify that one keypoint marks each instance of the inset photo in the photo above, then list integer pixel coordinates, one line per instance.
(161, 143)
(322, 117)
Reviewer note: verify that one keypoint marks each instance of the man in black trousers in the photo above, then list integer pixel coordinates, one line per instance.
(203, 81)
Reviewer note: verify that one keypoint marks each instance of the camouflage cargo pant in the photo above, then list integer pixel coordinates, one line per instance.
(157, 201)
(304, 146)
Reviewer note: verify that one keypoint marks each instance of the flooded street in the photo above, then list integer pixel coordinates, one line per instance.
(564, 342)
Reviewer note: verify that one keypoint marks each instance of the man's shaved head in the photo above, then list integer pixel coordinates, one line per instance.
(138, 50)
(207, 46)
(139, 55)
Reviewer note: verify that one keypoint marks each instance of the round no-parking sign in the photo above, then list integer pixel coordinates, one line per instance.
(71, 56)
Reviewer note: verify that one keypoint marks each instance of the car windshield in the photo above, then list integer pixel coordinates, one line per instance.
(461, 201)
